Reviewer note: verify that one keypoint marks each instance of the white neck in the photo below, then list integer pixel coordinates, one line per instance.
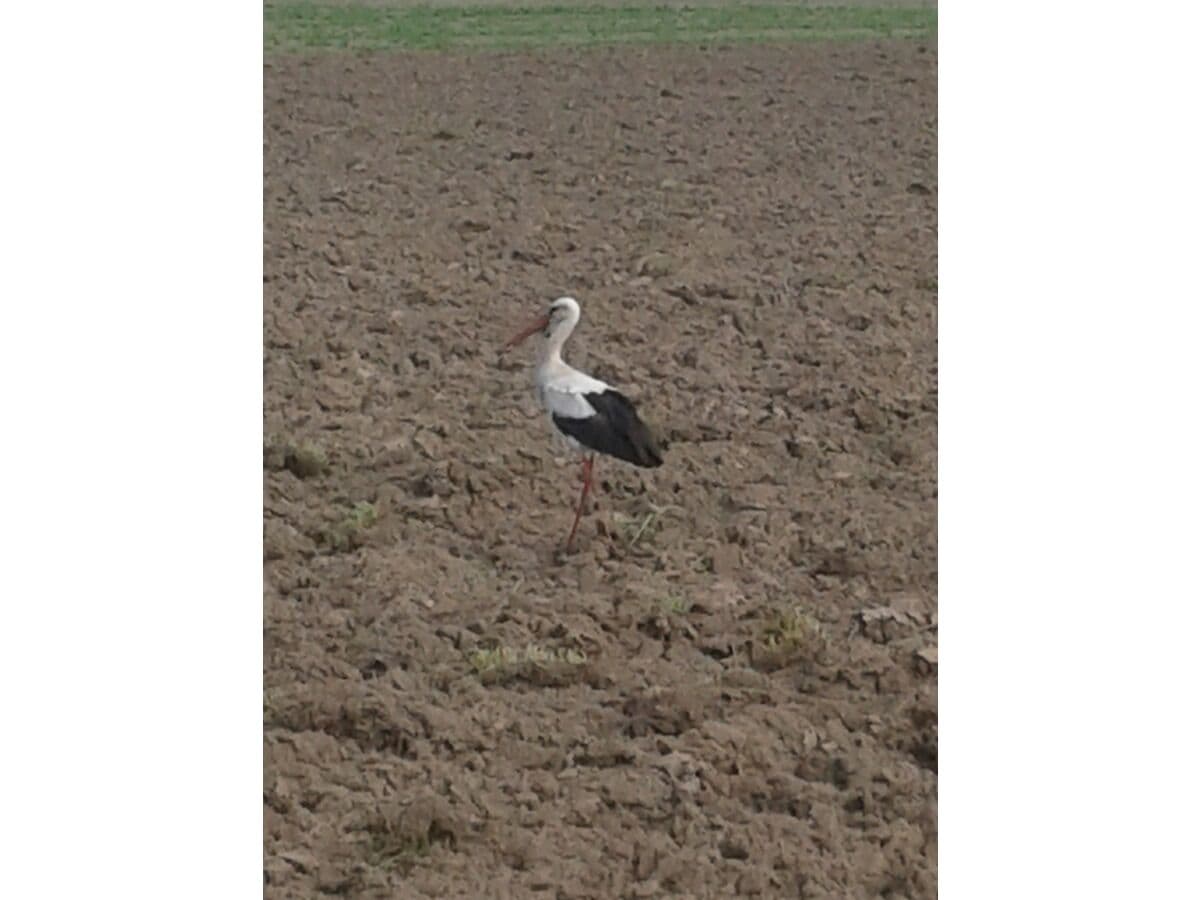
(551, 350)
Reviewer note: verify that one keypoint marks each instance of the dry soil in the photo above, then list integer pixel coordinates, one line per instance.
(730, 688)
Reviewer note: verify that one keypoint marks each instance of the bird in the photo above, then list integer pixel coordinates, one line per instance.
(589, 414)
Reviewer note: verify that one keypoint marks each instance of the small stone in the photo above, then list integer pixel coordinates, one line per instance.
(927, 660)
(869, 418)
(843, 467)
(656, 265)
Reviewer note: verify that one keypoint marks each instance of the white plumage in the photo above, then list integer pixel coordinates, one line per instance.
(565, 395)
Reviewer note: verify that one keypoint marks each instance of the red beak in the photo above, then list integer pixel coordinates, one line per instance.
(536, 325)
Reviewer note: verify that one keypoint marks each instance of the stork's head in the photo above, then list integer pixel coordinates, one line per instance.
(555, 323)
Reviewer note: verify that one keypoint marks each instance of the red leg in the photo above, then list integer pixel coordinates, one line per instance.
(587, 486)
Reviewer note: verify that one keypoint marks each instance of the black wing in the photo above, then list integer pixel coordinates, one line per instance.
(615, 429)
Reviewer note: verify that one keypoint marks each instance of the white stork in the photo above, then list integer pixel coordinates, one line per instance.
(590, 415)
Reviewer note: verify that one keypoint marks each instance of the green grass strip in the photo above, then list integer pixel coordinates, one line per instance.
(302, 27)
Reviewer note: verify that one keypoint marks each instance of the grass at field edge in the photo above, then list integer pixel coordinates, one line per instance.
(306, 27)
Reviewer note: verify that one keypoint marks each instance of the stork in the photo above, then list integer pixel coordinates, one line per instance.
(590, 415)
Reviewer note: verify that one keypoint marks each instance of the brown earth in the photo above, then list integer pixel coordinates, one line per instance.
(730, 688)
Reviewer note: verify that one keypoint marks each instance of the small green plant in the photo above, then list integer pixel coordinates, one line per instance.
(306, 460)
(350, 532)
(400, 834)
(396, 852)
(531, 663)
(790, 636)
(793, 629)
(675, 605)
(641, 528)
(400, 846)
(362, 515)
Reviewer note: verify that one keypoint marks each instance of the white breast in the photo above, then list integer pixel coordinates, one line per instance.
(562, 393)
